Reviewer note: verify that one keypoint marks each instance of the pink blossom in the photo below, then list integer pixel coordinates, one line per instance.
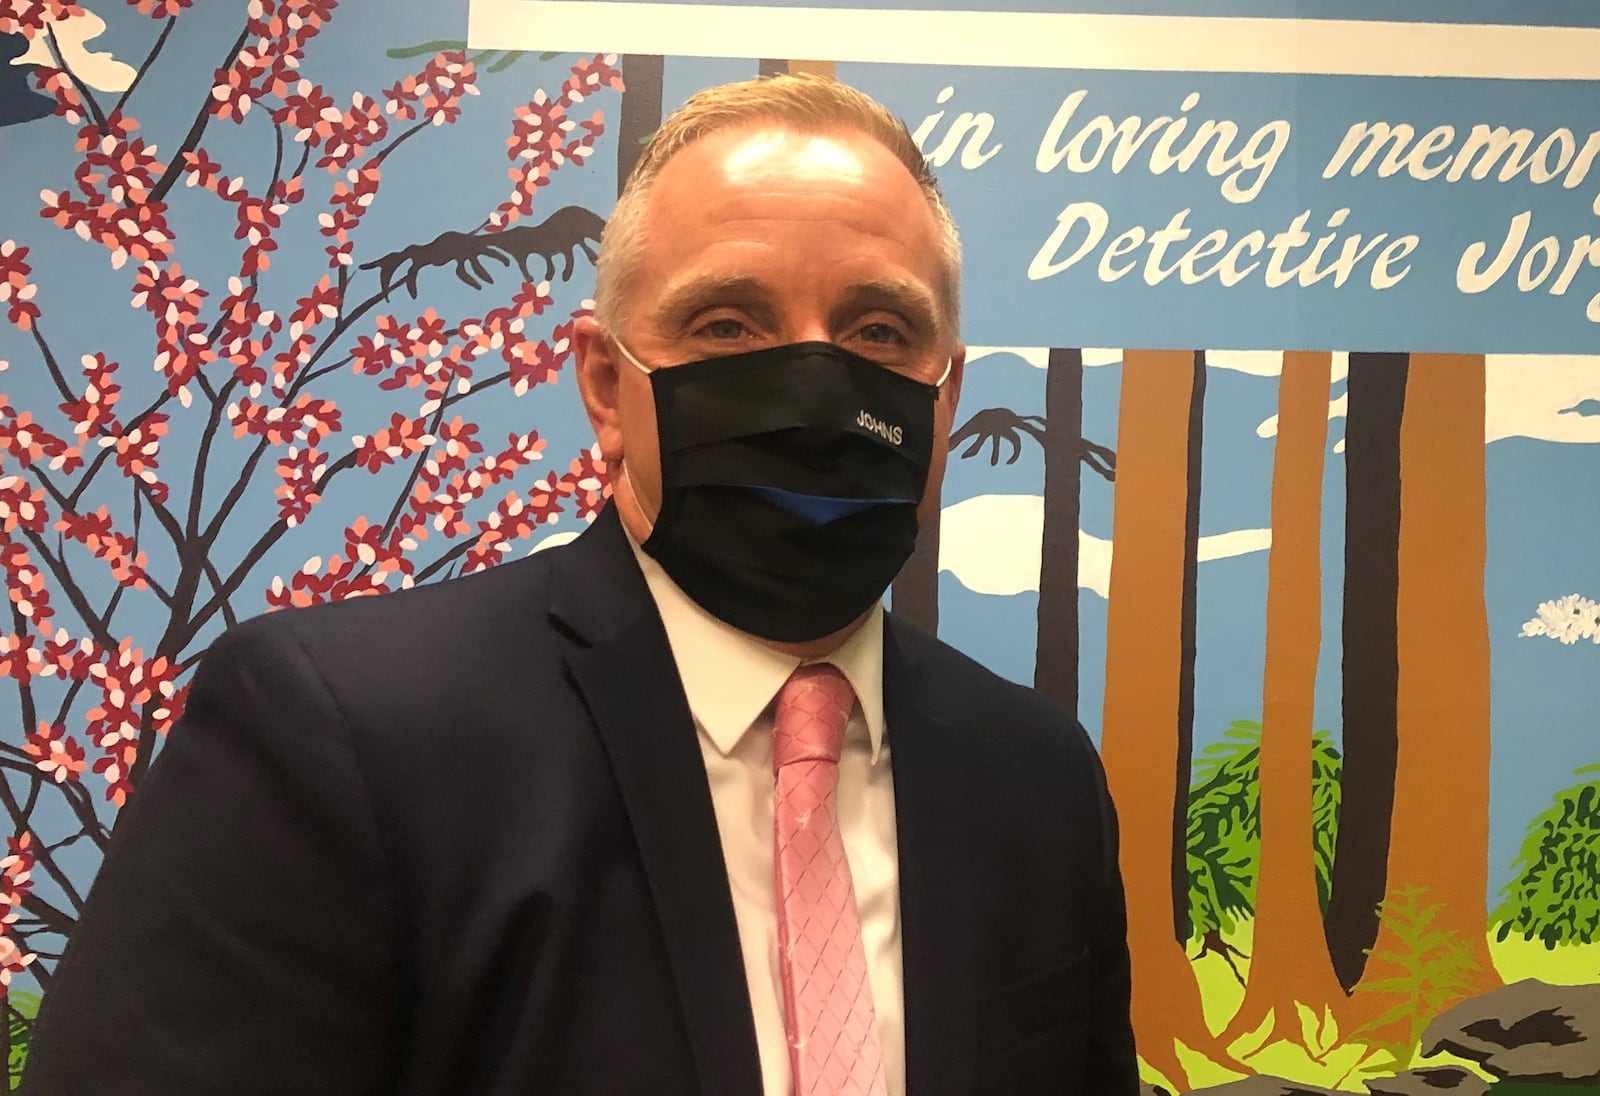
(32, 444)
(138, 452)
(55, 753)
(120, 552)
(15, 288)
(311, 585)
(402, 438)
(21, 506)
(58, 85)
(160, 9)
(300, 470)
(24, 582)
(91, 413)
(28, 17)
(357, 130)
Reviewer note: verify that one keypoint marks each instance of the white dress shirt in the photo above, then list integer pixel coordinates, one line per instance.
(731, 681)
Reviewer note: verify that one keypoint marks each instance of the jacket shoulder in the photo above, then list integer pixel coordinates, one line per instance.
(966, 693)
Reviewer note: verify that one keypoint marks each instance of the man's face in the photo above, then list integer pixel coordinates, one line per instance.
(760, 237)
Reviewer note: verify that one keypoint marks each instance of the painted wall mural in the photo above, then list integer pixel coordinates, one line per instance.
(1276, 462)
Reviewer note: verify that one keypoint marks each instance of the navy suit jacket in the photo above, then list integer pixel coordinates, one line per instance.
(458, 841)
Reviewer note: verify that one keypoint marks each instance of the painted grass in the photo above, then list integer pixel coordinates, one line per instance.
(1331, 1062)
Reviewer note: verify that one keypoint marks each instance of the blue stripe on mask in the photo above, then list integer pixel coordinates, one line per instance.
(817, 509)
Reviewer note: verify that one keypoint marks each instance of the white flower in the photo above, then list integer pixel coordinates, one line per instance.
(1568, 619)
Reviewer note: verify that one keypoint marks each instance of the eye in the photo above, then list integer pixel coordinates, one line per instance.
(882, 334)
(724, 329)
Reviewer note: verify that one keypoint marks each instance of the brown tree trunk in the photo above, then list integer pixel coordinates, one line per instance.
(1371, 667)
(1439, 837)
(1289, 961)
(1183, 926)
(777, 66)
(1143, 675)
(812, 68)
(1055, 660)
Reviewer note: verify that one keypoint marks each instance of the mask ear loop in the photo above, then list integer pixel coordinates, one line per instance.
(627, 479)
(949, 364)
(635, 362)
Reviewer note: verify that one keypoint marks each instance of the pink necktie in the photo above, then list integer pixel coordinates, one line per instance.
(833, 1037)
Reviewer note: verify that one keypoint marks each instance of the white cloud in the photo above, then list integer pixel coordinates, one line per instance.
(991, 544)
(99, 70)
(1039, 356)
(1258, 363)
(1268, 363)
(1530, 396)
(1338, 408)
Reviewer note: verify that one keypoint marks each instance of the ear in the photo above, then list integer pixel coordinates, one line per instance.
(952, 384)
(598, 384)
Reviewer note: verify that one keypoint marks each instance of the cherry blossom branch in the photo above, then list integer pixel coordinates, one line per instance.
(62, 499)
(444, 560)
(105, 454)
(203, 459)
(191, 140)
(56, 920)
(82, 89)
(33, 796)
(150, 58)
(383, 153)
(20, 821)
(423, 456)
(52, 364)
(63, 578)
(257, 552)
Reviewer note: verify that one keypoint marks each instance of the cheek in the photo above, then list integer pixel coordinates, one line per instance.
(641, 452)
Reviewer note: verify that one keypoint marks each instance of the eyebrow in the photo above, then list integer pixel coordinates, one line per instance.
(910, 298)
(683, 301)
(918, 305)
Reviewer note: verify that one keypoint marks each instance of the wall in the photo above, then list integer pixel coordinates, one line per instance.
(1310, 550)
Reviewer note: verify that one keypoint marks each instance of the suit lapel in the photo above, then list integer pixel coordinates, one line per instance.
(623, 667)
(932, 797)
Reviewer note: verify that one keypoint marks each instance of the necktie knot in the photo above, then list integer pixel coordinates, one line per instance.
(812, 711)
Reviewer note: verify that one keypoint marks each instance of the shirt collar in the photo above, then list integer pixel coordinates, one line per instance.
(730, 677)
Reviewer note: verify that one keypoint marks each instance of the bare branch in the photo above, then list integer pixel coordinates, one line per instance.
(52, 365)
(144, 67)
(82, 89)
(191, 140)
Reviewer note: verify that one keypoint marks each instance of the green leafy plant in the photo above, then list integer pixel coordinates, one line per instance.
(1223, 842)
(505, 60)
(1224, 833)
(22, 1008)
(1434, 968)
(1556, 894)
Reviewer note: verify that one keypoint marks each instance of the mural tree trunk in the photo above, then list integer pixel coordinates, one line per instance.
(1290, 962)
(643, 73)
(1376, 394)
(777, 66)
(1055, 667)
(1439, 838)
(1144, 652)
(1182, 924)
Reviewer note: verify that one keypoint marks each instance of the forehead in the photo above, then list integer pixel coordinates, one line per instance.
(742, 198)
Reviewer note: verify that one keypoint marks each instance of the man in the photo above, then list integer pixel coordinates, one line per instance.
(675, 809)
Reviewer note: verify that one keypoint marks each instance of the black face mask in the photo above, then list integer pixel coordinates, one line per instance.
(790, 478)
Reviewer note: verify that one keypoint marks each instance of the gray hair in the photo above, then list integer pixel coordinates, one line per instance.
(804, 103)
